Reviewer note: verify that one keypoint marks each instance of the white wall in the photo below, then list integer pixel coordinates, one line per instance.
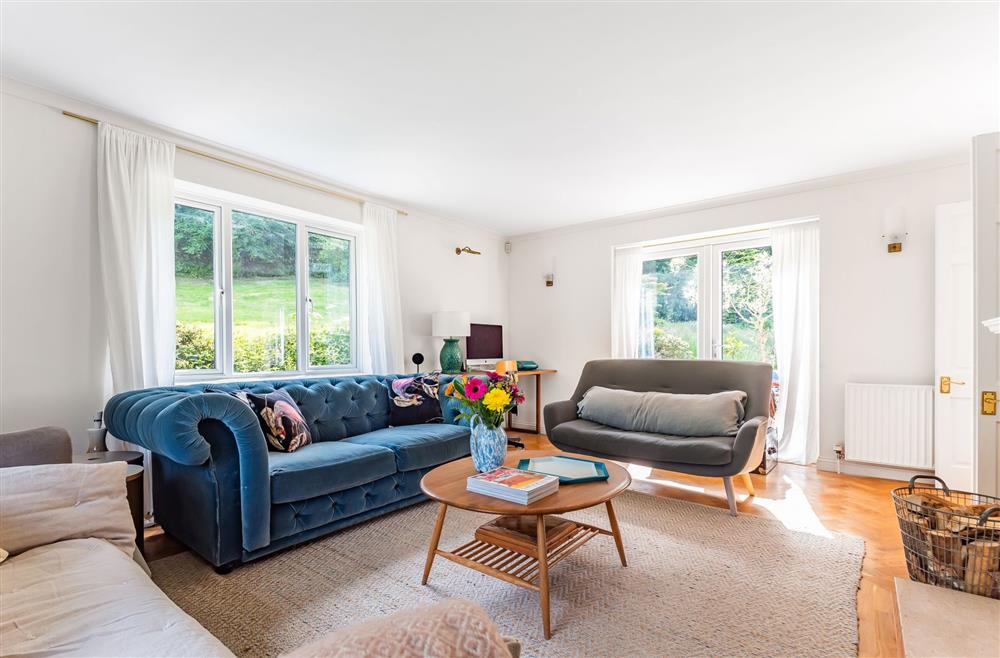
(876, 316)
(433, 278)
(53, 340)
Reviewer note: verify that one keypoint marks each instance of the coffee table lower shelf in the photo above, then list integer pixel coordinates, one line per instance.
(517, 563)
(514, 567)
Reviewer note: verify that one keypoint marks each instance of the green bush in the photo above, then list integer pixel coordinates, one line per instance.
(195, 347)
(669, 346)
(196, 350)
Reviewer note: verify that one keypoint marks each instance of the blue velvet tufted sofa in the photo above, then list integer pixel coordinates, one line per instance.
(219, 490)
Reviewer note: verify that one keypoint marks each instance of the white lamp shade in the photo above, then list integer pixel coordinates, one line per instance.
(448, 324)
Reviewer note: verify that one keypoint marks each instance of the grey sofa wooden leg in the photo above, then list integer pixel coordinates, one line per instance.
(728, 481)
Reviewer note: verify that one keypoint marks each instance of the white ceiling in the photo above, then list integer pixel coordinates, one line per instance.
(526, 116)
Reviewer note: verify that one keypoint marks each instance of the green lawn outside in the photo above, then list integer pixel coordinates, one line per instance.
(256, 303)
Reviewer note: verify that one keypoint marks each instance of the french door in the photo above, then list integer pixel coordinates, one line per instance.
(711, 300)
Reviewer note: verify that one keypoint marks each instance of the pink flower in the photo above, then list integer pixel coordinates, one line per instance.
(475, 389)
(495, 376)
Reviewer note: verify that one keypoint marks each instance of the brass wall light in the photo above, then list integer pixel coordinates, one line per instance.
(467, 250)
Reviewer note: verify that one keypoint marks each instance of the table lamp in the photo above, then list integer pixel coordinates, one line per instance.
(450, 325)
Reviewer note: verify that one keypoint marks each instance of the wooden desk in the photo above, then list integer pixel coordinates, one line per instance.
(537, 374)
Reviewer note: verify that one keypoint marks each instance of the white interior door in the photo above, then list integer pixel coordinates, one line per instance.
(954, 346)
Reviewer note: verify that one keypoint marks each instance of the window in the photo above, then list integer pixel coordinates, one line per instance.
(195, 268)
(674, 283)
(329, 300)
(747, 311)
(264, 294)
(711, 300)
(252, 280)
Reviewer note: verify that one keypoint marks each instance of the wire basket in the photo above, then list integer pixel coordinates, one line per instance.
(950, 538)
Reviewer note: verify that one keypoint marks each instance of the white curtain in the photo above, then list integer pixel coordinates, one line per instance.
(632, 308)
(383, 316)
(135, 222)
(795, 272)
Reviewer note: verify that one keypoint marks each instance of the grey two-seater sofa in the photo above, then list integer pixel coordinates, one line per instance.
(715, 456)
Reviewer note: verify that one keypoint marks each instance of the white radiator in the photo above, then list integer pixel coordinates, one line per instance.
(891, 424)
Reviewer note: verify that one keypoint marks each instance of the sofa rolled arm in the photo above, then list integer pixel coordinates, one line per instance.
(167, 422)
(557, 413)
(748, 448)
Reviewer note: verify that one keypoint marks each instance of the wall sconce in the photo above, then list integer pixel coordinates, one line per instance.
(550, 278)
(467, 250)
(894, 229)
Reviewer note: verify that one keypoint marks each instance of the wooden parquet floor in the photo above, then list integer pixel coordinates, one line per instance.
(801, 498)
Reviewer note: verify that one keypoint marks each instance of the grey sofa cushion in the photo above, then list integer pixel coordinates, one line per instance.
(680, 414)
(590, 437)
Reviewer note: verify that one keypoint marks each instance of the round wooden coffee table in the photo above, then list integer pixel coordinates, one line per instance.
(525, 541)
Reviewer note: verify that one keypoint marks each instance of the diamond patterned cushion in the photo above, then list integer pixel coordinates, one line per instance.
(449, 628)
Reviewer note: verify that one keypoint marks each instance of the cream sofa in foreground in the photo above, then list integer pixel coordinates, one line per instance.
(74, 583)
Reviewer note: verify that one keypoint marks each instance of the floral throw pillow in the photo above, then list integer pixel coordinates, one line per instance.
(280, 418)
(414, 400)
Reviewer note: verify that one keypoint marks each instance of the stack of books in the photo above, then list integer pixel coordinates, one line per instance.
(513, 485)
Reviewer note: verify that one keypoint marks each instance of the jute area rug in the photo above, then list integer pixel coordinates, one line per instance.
(699, 583)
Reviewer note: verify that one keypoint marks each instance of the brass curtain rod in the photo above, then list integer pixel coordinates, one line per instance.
(240, 165)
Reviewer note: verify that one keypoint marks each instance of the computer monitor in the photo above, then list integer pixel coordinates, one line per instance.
(484, 343)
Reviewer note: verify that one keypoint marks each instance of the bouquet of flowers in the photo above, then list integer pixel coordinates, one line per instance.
(485, 402)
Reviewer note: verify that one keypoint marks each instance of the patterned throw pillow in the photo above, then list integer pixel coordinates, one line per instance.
(414, 400)
(280, 418)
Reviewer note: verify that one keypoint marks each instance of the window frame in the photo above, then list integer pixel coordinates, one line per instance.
(305, 222)
(217, 286)
(709, 252)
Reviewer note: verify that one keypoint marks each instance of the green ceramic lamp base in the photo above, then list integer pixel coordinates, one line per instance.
(451, 357)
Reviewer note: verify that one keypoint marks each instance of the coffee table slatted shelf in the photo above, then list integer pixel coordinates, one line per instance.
(508, 549)
(517, 568)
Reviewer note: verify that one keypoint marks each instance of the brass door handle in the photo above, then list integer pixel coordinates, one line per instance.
(946, 382)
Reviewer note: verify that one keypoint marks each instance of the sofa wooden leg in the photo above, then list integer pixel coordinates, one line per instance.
(748, 483)
(730, 495)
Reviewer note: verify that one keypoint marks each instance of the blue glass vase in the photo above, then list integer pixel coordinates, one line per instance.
(488, 446)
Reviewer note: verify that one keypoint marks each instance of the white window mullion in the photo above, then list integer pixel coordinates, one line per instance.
(714, 327)
(227, 291)
(303, 302)
(706, 315)
(218, 296)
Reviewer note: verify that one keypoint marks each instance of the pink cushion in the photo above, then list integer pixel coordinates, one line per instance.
(449, 628)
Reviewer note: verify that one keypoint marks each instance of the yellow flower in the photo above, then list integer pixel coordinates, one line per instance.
(496, 400)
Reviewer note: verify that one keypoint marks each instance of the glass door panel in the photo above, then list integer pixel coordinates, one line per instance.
(746, 309)
(670, 286)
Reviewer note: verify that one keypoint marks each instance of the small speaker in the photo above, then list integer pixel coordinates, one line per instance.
(417, 359)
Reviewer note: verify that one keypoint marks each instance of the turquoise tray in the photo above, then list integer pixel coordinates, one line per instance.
(602, 470)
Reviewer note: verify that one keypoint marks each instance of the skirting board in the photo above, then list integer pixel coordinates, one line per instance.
(515, 427)
(869, 470)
